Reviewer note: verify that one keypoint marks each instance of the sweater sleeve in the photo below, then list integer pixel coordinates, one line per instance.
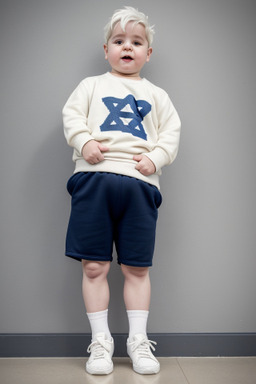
(169, 125)
(75, 116)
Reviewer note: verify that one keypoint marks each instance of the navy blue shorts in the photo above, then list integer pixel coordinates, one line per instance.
(109, 209)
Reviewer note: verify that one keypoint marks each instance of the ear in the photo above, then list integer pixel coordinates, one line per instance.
(150, 50)
(106, 51)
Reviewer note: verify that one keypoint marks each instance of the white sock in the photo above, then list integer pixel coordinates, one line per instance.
(99, 323)
(137, 322)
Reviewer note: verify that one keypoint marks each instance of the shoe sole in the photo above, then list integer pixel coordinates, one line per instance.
(99, 372)
(144, 371)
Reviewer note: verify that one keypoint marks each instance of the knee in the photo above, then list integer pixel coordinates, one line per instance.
(94, 270)
(135, 272)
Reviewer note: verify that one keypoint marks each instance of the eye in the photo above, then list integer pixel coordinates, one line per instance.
(137, 43)
(118, 42)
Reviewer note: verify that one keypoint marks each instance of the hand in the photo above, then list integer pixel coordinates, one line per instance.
(145, 166)
(92, 152)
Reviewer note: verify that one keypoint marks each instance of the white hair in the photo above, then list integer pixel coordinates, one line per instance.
(126, 15)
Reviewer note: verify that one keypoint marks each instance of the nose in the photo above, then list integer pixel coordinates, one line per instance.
(127, 45)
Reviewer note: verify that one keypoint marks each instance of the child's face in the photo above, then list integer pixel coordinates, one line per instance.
(128, 51)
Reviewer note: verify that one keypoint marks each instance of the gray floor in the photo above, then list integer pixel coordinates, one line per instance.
(173, 371)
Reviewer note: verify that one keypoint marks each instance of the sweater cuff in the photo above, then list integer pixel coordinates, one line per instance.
(158, 157)
(80, 140)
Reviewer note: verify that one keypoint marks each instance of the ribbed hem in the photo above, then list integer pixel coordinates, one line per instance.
(126, 168)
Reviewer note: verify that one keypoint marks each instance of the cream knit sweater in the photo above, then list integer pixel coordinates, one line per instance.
(129, 116)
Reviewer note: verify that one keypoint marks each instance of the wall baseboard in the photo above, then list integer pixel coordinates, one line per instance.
(168, 344)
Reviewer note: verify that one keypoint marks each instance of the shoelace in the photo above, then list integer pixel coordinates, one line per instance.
(143, 347)
(98, 348)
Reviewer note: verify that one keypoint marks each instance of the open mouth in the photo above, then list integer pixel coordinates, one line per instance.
(127, 58)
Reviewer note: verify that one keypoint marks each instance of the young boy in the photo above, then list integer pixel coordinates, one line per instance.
(123, 130)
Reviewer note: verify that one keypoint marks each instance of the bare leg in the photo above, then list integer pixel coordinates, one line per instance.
(95, 286)
(137, 287)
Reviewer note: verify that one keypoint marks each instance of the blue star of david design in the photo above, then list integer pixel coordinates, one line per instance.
(126, 115)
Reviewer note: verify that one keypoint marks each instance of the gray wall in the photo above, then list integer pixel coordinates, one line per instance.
(204, 268)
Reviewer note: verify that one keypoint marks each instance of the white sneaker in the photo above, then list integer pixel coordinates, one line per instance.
(100, 361)
(144, 362)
